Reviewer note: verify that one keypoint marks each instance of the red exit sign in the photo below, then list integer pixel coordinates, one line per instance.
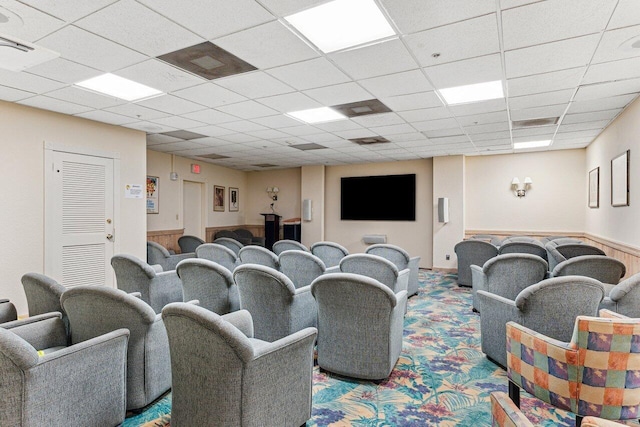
(195, 168)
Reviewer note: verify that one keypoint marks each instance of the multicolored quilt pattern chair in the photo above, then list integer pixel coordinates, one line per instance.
(596, 374)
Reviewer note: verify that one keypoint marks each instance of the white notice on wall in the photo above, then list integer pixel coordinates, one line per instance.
(133, 191)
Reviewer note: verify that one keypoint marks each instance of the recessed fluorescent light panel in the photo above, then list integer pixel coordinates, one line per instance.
(112, 85)
(317, 115)
(531, 144)
(472, 93)
(341, 24)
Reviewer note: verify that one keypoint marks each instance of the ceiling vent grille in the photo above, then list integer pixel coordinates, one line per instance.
(370, 140)
(213, 156)
(307, 147)
(548, 121)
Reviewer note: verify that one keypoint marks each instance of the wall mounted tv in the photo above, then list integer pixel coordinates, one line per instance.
(378, 198)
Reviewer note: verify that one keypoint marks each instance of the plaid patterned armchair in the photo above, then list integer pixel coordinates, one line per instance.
(596, 374)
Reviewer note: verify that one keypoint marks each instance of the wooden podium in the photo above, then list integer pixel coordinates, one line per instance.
(271, 229)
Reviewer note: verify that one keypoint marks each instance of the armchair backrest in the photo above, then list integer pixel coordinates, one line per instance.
(243, 233)
(210, 283)
(534, 248)
(602, 268)
(373, 266)
(508, 274)
(489, 238)
(219, 254)
(43, 293)
(624, 298)
(393, 253)
(8, 311)
(288, 245)
(344, 290)
(329, 252)
(227, 234)
(155, 252)
(253, 254)
(189, 243)
(573, 250)
(301, 267)
(132, 274)
(518, 239)
(230, 243)
(471, 252)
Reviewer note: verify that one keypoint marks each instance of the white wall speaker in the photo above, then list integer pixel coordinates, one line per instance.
(371, 239)
(443, 209)
(307, 212)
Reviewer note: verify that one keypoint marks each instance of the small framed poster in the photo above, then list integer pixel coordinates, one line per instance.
(218, 198)
(153, 187)
(594, 188)
(234, 199)
(620, 180)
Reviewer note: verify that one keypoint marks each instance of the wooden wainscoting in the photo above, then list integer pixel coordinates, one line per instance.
(167, 238)
(256, 230)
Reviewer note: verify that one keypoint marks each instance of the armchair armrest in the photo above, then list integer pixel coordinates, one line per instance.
(334, 269)
(478, 283)
(402, 283)
(503, 409)
(305, 337)
(599, 422)
(611, 314)
(242, 320)
(41, 331)
(157, 268)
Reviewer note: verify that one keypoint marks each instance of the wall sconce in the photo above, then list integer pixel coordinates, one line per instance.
(521, 191)
(273, 192)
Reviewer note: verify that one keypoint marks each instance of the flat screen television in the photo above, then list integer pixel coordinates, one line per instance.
(378, 198)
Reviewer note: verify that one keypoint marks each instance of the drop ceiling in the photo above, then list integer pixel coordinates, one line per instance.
(560, 59)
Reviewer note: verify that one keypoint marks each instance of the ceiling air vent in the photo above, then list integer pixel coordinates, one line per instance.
(361, 108)
(549, 121)
(265, 165)
(213, 156)
(18, 55)
(307, 147)
(183, 134)
(370, 140)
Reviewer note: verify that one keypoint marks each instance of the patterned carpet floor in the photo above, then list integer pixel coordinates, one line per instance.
(442, 377)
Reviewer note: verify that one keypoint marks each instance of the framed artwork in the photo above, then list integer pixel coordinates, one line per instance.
(152, 194)
(620, 180)
(234, 199)
(218, 198)
(594, 188)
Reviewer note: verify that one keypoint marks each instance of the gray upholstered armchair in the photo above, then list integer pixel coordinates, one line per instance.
(254, 254)
(223, 376)
(246, 234)
(277, 307)
(79, 385)
(360, 324)
(228, 234)
(7, 311)
(549, 307)
(156, 288)
(230, 243)
(603, 268)
(534, 248)
(329, 252)
(158, 254)
(43, 293)
(471, 252)
(302, 267)
(288, 245)
(551, 245)
(189, 243)
(506, 275)
(624, 298)
(402, 260)
(94, 311)
(219, 254)
(518, 239)
(378, 268)
(490, 238)
(210, 283)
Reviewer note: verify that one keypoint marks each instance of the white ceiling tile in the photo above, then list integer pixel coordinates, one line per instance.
(554, 20)
(159, 75)
(238, 137)
(508, 4)
(302, 130)
(85, 97)
(158, 138)
(417, 15)
(572, 127)
(32, 25)
(605, 90)
(277, 121)
(309, 74)
(462, 40)
(212, 18)
(268, 45)
(209, 94)
(610, 103)
(338, 125)
(548, 57)
(149, 127)
(267, 134)
(171, 104)
(397, 84)
(256, 84)
(489, 136)
(46, 103)
(439, 133)
(84, 47)
(178, 122)
(243, 126)
(591, 116)
(477, 119)
(627, 13)
(323, 138)
(478, 107)
(608, 49)
(132, 24)
(546, 82)
(28, 82)
(576, 135)
(383, 119)
(70, 11)
(365, 62)
(212, 130)
(540, 99)
(289, 102)
(610, 71)
(289, 7)
(538, 112)
(10, 94)
(64, 71)
(544, 132)
(338, 94)
(247, 110)
(137, 111)
(470, 71)
(210, 116)
(355, 133)
(487, 128)
(414, 101)
(106, 117)
(425, 114)
(430, 125)
(392, 129)
(175, 146)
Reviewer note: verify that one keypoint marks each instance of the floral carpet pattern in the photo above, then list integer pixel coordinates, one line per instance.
(442, 377)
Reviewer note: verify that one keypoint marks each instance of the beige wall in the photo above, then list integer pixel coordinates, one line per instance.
(24, 131)
(415, 237)
(448, 181)
(288, 203)
(313, 179)
(619, 224)
(555, 202)
(170, 194)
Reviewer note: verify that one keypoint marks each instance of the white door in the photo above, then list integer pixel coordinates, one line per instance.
(192, 209)
(79, 228)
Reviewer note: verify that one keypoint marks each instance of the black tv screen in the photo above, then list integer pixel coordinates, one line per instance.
(378, 198)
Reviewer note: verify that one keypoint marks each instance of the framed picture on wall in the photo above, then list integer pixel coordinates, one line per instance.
(218, 198)
(234, 199)
(594, 188)
(620, 180)
(152, 194)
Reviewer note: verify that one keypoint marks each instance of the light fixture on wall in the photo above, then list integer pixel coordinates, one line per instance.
(273, 192)
(521, 191)
(173, 176)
